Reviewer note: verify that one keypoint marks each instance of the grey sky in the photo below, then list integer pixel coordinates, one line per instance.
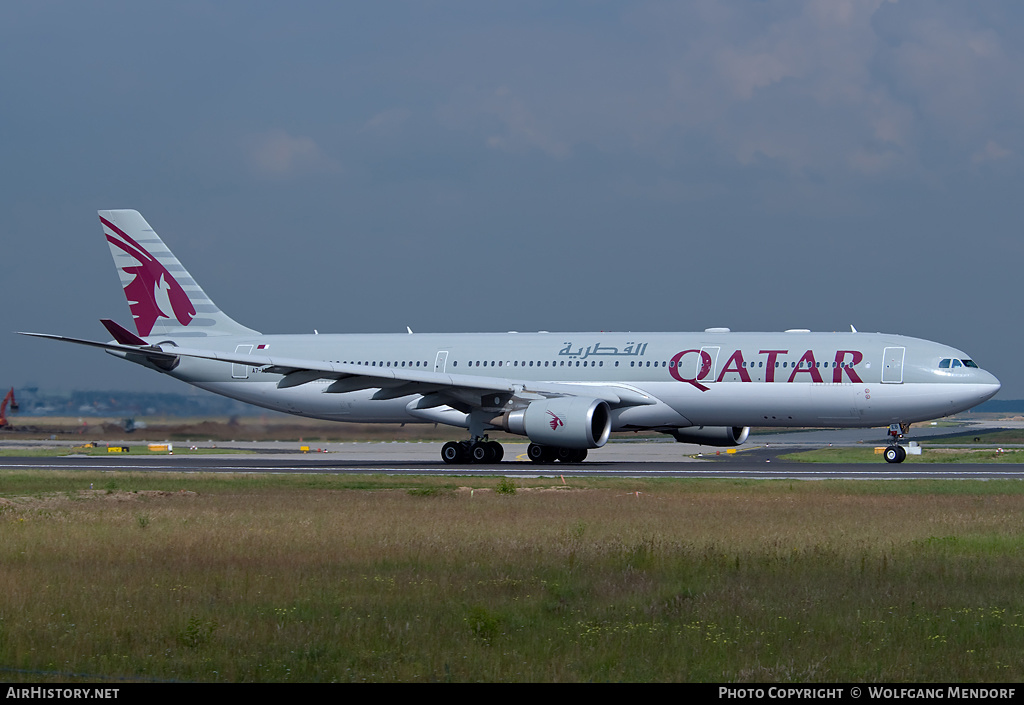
(461, 166)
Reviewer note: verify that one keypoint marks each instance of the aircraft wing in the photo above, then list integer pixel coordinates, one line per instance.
(438, 388)
(398, 382)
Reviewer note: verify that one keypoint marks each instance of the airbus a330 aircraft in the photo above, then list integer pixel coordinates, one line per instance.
(566, 392)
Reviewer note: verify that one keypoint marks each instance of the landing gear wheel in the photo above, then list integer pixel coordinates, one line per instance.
(451, 453)
(540, 454)
(895, 454)
(571, 455)
(486, 452)
(479, 453)
(497, 451)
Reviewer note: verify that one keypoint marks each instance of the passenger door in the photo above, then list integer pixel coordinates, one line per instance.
(892, 365)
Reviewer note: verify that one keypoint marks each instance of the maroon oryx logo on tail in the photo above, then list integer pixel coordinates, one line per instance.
(153, 290)
(555, 421)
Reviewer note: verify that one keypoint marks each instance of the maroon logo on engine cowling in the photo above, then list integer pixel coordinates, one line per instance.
(151, 286)
(555, 421)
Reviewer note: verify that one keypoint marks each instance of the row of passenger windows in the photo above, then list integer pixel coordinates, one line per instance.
(382, 363)
(801, 364)
(634, 363)
(531, 363)
(600, 363)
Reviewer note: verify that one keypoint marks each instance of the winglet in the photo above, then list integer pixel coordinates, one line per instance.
(121, 335)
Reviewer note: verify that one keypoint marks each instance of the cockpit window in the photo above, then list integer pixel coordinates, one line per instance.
(947, 363)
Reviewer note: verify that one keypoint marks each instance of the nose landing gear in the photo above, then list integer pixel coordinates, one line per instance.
(895, 453)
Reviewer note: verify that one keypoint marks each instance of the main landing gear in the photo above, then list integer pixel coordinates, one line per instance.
(478, 449)
(895, 453)
(549, 454)
(482, 451)
(485, 451)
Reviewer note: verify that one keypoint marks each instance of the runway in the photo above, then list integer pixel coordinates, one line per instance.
(636, 460)
(652, 458)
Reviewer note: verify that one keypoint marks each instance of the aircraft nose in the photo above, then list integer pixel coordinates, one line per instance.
(991, 385)
(981, 388)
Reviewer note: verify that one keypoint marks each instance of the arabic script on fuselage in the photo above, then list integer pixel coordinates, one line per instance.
(582, 353)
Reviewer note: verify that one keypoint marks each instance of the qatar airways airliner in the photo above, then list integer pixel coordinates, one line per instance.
(565, 392)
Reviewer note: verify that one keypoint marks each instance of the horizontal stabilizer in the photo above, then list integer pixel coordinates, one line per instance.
(150, 352)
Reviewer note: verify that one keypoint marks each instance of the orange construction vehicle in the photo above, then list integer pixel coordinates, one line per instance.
(9, 399)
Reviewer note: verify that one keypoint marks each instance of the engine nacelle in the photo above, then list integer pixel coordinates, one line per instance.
(563, 422)
(718, 436)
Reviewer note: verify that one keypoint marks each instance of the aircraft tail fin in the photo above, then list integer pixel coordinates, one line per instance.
(163, 297)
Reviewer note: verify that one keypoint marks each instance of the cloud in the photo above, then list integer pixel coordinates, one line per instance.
(849, 87)
(991, 152)
(277, 154)
(510, 120)
(387, 122)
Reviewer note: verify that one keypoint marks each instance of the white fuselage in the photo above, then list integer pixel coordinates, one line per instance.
(693, 379)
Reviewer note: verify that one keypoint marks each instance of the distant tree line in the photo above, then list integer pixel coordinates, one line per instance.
(35, 402)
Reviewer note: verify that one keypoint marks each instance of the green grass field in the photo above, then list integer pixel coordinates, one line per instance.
(373, 578)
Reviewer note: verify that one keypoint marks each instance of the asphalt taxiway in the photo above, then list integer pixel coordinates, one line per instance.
(761, 458)
(615, 460)
(738, 469)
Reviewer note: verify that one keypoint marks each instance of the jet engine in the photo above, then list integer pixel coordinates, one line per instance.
(718, 436)
(563, 422)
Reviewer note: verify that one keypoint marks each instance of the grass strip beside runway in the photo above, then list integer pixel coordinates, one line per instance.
(373, 578)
